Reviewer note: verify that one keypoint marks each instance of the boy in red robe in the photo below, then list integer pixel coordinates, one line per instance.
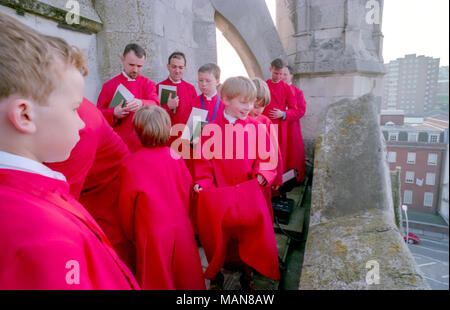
(233, 219)
(92, 172)
(295, 147)
(282, 105)
(262, 101)
(208, 81)
(49, 241)
(144, 91)
(154, 207)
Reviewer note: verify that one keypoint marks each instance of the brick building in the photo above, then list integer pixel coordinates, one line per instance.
(418, 148)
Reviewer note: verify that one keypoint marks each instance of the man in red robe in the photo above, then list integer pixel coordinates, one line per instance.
(282, 105)
(92, 171)
(233, 219)
(154, 208)
(144, 91)
(178, 107)
(295, 147)
(49, 241)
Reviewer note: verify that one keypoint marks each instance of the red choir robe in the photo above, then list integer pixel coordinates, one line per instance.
(49, 241)
(233, 219)
(186, 93)
(154, 207)
(142, 88)
(92, 170)
(262, 119)
(210, 106)
(282, 98)
(295, 147)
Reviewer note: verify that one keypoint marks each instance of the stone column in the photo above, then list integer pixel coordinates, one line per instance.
(335, 52)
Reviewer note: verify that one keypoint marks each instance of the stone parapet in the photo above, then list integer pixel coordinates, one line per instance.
(352, 232)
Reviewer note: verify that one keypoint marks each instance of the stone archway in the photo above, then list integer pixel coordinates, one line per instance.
(249, 28)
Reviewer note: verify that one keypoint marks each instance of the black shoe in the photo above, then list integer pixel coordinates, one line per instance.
(217, 283)
(247, 282)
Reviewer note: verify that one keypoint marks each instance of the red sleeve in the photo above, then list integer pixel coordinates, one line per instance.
(151, 96)
(203, 173)
(127, 203)
(267, 167)
(47, 265)
(104, 99)
(291, 112)
(301, 103)
(300, 107)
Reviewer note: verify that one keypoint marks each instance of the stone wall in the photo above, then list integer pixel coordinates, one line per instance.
(48, 17)
(352, 223)
(161, 27)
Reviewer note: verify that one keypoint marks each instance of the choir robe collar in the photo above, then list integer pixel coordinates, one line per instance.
(229, 118)
(127, 77)
(210, 98)
(179, 82)
(16, 162)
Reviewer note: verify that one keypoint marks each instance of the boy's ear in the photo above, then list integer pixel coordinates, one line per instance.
(20, 114)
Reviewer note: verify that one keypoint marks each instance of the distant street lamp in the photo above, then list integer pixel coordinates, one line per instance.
(405, 208)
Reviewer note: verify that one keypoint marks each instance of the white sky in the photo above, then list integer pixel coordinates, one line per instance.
(416, 27)
(409, 27)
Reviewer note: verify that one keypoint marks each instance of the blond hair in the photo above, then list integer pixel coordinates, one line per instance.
(29, 65)
(152, 125)
(262, 92)
(238, 86)
(71, 53)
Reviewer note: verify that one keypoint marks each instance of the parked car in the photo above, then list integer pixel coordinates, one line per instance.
(411, 238)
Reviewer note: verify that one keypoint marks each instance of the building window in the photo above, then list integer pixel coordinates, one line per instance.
(409, 177)
(407, 197)
(393, 136)
(411, 158)
(392, 157)
(434, 138)
(432, 159)
(431, 179)
(412, 137)
(428, 199)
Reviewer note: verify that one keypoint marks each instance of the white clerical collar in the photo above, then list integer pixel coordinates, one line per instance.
(128, 78)
(210, 98)
(230, 118)
(174, 81)
(16, 162)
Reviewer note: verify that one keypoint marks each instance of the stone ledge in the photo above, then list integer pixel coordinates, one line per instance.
(89, 20)
(337, 252)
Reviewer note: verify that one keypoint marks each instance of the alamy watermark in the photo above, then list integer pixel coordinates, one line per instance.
(231, 142)
(73, 13)
(374, 13)
(373, 275)
(73, 275)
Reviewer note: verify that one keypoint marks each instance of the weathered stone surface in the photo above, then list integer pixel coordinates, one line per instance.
(352, 218)
(56, 10)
